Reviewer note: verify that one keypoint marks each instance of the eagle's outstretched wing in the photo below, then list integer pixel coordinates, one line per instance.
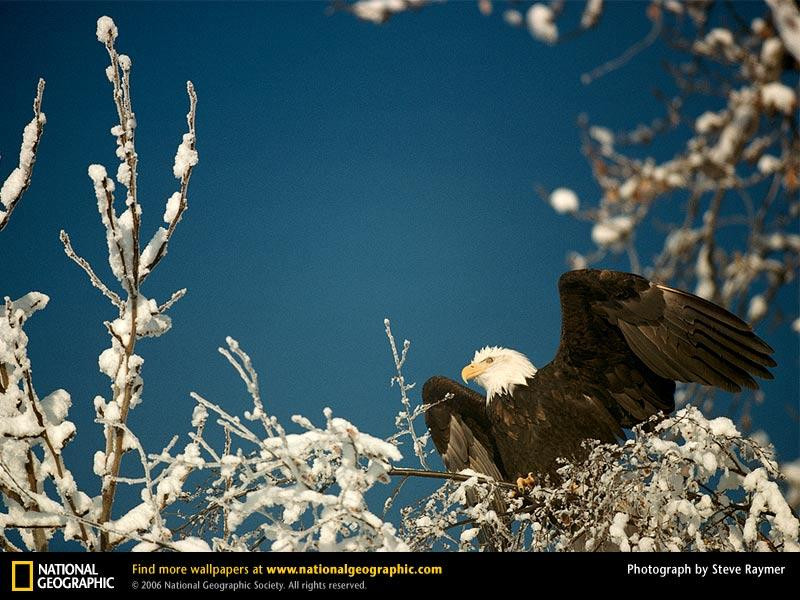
(460, 428)
(632, 338)
(461, 431)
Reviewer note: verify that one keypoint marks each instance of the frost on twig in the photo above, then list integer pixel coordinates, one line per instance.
(35, 430)
(404, 421)
(33, 433)
(131, 263)
(275, 490)
(731, 232)
(19, 180)
(689, 484)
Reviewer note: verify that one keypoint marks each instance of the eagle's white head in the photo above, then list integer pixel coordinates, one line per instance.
(498, 370)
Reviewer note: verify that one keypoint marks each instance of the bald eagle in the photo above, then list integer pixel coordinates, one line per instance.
(624, 342)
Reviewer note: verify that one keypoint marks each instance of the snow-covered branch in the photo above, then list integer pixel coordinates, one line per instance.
(19, 180)
(688, 484)
(733, 184)
(404, 421)
(138, 316)
(33, 433)
(277, 490)
(250, 482)
(35, 430)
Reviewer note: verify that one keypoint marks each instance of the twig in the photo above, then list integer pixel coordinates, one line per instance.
(406, 472)
(84, 264)
(625, 57)
(30, 146)
(409, 414)
(184, 187)
(172, 300)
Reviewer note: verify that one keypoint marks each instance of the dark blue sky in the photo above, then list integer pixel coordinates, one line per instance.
(347, 173)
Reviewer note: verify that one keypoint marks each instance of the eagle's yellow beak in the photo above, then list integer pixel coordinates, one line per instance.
(472, 370)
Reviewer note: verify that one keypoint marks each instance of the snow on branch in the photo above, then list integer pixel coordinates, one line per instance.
(786, 17)
(33, 433)
(733, 182)
(689, 484)
(35, 430)
(138, 316)
(684, 482)
(277, 490)
(19, 180)
(404, 421)
(270, 488)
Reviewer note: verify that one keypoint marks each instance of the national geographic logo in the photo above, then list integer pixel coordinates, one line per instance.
(21, 575)
(27, 576)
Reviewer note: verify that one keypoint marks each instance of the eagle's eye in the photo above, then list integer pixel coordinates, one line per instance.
(489, 360)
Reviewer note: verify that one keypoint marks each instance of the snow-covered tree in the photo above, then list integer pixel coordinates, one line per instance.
(306, 489)
(685, 482)
(743, 151)
(724, 205)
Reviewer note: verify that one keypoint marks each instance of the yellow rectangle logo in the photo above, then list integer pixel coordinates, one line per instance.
(23, 584)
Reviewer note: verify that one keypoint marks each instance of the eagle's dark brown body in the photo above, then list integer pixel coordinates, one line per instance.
(624, 343)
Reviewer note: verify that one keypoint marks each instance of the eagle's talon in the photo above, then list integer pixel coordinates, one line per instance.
(525, 483)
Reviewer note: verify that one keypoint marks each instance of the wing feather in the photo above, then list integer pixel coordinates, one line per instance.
(658, 332)
(694, 340)
(461, 431)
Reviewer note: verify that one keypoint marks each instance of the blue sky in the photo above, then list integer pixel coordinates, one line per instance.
(347, 173)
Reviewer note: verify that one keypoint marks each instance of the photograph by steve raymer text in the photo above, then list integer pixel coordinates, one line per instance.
(360, 296)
